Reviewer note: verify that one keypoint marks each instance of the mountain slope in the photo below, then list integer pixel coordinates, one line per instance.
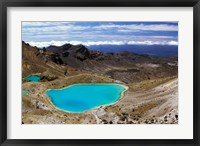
(126, 66)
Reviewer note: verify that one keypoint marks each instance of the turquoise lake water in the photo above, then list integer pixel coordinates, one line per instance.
(82, 97)
(25, 92)
(33, 78)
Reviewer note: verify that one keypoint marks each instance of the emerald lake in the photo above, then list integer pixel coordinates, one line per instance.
(83, 97)
(33, 78)
(25, 92)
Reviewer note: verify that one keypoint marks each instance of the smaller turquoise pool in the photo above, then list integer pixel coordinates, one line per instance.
(33, 78)
(25, 92)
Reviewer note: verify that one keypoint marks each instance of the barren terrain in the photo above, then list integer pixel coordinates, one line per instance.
(152, 96)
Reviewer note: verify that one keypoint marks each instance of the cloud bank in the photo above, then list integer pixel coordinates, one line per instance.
(90, 43)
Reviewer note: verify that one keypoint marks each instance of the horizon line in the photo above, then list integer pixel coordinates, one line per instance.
(98, 43)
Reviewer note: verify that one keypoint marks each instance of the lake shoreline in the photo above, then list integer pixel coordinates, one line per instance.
(86, 84)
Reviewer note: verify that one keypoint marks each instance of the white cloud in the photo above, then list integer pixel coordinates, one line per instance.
(53, 29)
(173, 43)
(40, 23)
(139, 27)
(89, 43)
(50, 27)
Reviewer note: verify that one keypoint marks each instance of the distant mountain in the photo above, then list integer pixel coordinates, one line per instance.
(154, 50)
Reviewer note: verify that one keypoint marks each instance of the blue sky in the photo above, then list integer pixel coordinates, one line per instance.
(97, 33)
